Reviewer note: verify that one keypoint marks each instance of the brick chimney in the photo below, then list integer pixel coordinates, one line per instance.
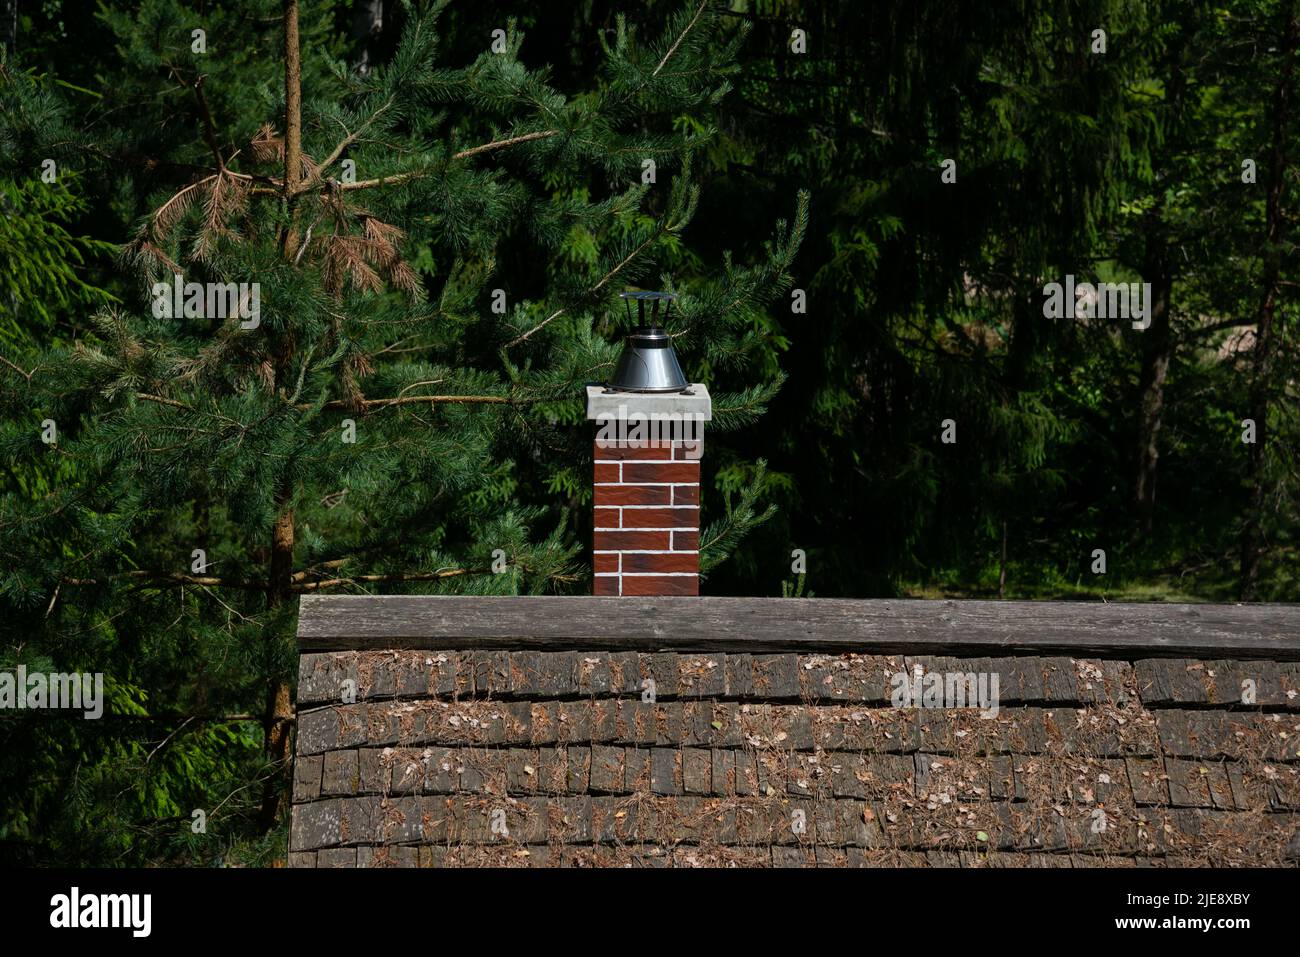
(647, 490)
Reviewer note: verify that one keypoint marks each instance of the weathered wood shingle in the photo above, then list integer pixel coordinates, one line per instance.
(651, 740)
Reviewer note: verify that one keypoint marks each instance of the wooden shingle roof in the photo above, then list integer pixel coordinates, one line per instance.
(759, 732)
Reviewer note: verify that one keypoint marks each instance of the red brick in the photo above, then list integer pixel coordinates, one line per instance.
(686, 541)
(645, 452)
(656, 518)
(634, 495)
(686, 495)
(617, 541)
(605, 585)
(660, 585)
(604, 562)
(682, 453)
(678, 562)
(607, 518)
(607, 473)
(635, 472)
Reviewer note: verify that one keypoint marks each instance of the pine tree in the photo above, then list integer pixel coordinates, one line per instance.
(431, 255)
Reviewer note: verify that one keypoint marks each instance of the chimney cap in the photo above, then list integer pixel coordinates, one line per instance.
(648, 363)
(694, 405)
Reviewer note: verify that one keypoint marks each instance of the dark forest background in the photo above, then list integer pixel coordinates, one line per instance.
(1113, 140)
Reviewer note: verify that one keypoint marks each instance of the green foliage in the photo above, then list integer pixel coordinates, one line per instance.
(449, 171)
(46, 260)
(44, 264)
(413, 439)
(925, 297)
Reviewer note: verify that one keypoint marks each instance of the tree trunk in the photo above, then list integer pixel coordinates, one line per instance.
(367, 26)
(1157, 348)
(10, 14)
(292, 124)
(1261, 386)
(278, 716)
(1157, 338)
(1002, 566)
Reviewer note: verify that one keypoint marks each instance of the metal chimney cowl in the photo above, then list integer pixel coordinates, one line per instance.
(648, 363)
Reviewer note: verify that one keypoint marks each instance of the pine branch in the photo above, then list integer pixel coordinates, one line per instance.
(499, 144)
(396, 178)
(415, 577)
(395, 88)
(537, 328)
(209, 128)
(415, 400)
(592, 291)
(150, 164)
(720, 538)
(166, 215)
(172, 579)
(209, 719)
(1220, 326)
(678, 42)
(364, 403)
(25, 375)
(145, 396)
(167, 579)
(338, 151)
(320, 567)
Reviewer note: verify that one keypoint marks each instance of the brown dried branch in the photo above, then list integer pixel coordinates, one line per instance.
(166, 216)
(345, 259)
(363, 259)
(148, 257)
(227, 198)
(267, 145)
